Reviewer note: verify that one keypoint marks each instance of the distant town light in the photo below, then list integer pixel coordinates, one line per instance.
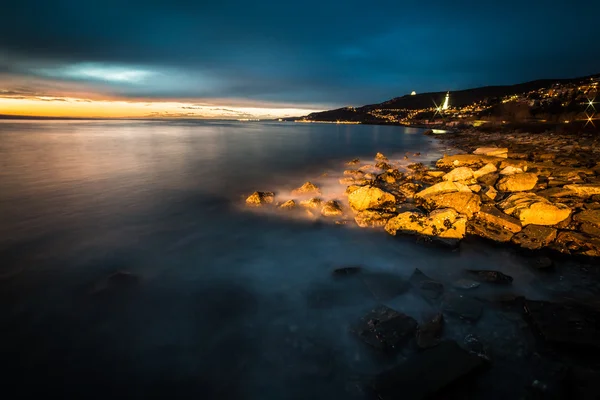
(413, 93)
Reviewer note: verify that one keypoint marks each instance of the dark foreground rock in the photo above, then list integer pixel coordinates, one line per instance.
(384, 286)
(572, 326)
(490, 276)
(427, 288)
(462, 306)
(430, 331)
(385, 329)
(427, 373)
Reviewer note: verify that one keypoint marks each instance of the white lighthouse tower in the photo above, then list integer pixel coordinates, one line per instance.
(446, 104)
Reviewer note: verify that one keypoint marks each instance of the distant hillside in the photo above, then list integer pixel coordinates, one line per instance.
(460, 98)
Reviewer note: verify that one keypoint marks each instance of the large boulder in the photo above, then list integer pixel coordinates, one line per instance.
(467, 160)
(534, 237)
(584, 190)
(459, 174)
(533, 209)
(464, 202)
(372, 218)
(492, 151)
(257, 199)
(307, 188)
(517, 183)
(444, 223)
(443, 187)
(491, 215)
(371, 198)
(486, 169)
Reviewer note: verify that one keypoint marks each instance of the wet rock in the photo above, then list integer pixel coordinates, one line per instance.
(371, 198)
(567, 325)
(355, 161)
(444, 223)
(535, 237)
(307, 188)
(489, 179)
(444, 187)
(489, 231)
(491, 215)
(463, 202)
(459, 174)
(383, 165)
(533, 209)
(409, 189)
(381, 157)
(372, 218)
(467, 160)
(354, 173)
(426, 374)
(332, 208)
(429, 289)
(257, 199)
(517, 183)
(486, 169)
(490, 276)
(466, 284)
(462, 306)
(570, 242)
(385, 329)
(541, 262)
(430, 332)
(584, 190)
(288, 205)
(384, 286)
(492, 151)
(346, 271)
(315, 202)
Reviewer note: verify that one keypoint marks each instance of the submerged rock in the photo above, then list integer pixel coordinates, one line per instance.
(372, 218)
(288, 205)
(371, 198)
(462, 306)
(385, 329)
(384, 286)
(307, 188)
(490, 276)
(332, 208)
(533, 209)
(463, 202)
(427, 373)
(260, 198)
(345, 271)
(444, 223)
(430, 331)
(466, 284)
(517, 183)
(534, 237)
(429, 289)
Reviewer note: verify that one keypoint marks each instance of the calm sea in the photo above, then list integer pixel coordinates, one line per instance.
(230, 303)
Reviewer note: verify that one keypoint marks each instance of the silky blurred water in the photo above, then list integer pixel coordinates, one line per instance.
(226, 303)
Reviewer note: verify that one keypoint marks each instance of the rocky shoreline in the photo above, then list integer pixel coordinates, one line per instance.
(538, 192)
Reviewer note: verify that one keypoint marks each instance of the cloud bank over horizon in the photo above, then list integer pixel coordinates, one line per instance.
(282, 58)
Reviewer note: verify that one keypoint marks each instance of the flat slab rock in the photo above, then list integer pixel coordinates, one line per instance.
(426, 373)
(385, 329)
(567, 325)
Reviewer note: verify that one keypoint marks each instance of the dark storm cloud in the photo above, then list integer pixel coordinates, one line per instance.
(343, 52)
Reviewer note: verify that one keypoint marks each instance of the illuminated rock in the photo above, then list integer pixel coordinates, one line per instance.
(533, 209)
(584, 190)
(372, 219)
(315, 202)
(492, 151)
(467, 160)
(459, 174)
(444, 223)
(381, 157)
(463, 202)
(307, 188)
(535, 237)
(332, 208)
(486, 169)
(371, 198)
(517, 183)
(260, 198)
(288, 205)
(443, 187)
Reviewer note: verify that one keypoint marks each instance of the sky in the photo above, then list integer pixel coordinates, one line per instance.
(268, 59)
